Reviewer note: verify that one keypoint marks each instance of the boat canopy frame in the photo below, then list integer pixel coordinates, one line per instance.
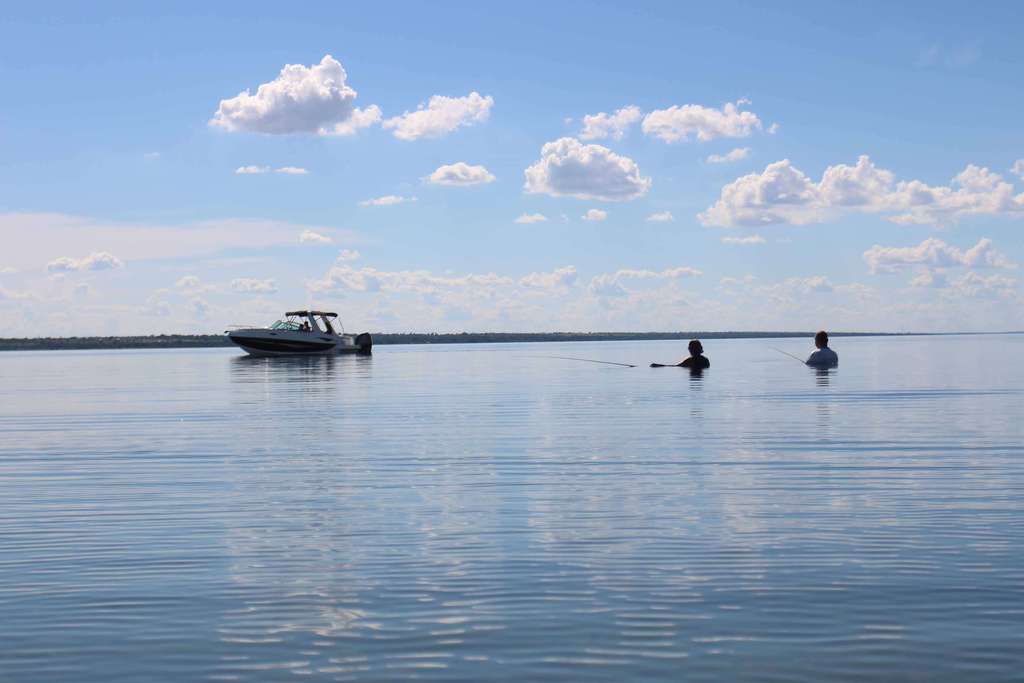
(326, 314)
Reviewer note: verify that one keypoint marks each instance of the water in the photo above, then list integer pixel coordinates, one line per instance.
(468, 513)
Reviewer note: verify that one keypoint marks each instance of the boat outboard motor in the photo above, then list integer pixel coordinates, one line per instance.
(364, 342)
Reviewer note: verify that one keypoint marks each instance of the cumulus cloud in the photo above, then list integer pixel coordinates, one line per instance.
(953, 56)
(245, 285)
(568, 168)
(744, 241)
(367, 279)
(528, 218)
(460, 174)
(441, 116)
(188, 282)
(934, 253)
(98, 260)
(560, 278)
(360, 118)
(661, 217)
(602, 125)
(348, 255)
(792, 292)
(1018, 168)
(259, 170)
(929, 278)
(312, 237)
(200, 307)
(156, 304)
(971, 284)
(386, 200)
(734, 155)
(613, 284)
(300, 100)
(681, 123)
(12, 295)
(784, 194)
(45, 236)
(596, 215)
(807, 285)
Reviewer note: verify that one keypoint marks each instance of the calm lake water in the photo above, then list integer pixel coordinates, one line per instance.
(482, 512)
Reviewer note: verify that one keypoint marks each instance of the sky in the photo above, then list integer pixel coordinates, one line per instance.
(573, 166)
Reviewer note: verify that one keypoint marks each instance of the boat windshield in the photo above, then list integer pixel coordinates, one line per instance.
(285, 325)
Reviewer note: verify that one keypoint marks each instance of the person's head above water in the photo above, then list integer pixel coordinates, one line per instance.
(821, 339)
(695, 347)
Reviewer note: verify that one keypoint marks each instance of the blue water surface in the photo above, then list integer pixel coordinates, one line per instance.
(486, 512)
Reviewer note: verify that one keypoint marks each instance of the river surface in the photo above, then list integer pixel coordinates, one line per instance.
(486, 512)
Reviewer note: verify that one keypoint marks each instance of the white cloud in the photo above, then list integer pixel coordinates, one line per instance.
(245, 285)
(156, 304)
(460, 174)
(568, 168)
(734, 155)
(348, 255)
(560, 278)
(313, 237)
(807, 285)
(602, 125)
(441, 116)
(188, 282)
(12, 295)
(43, 237)
(259, 170)
(970, 284)
(680, 123)
(98, 260)
(954, 57)
(934, 253)
(929, 278)
(386, 200)
(596, 215)
(300, 100)
(200, 307)
(360, 118)
(784, 194)
(661, 217)
(613, 284)
(528, 218)
(344, 277)
(1018, 168)
(743, 241)
(151, 156)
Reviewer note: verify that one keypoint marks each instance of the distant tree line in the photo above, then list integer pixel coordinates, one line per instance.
(184, 341)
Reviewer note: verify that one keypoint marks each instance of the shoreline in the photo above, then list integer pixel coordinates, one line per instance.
(187, 341)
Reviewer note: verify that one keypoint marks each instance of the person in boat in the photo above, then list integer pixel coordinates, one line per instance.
(824, 357)
(696, 361)
(305, 326)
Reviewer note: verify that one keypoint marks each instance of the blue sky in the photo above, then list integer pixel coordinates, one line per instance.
(122, 210)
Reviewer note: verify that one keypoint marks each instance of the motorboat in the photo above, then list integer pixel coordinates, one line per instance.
(301, 333)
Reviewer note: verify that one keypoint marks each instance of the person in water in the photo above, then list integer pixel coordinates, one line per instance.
(824, 357)
(696, 361)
